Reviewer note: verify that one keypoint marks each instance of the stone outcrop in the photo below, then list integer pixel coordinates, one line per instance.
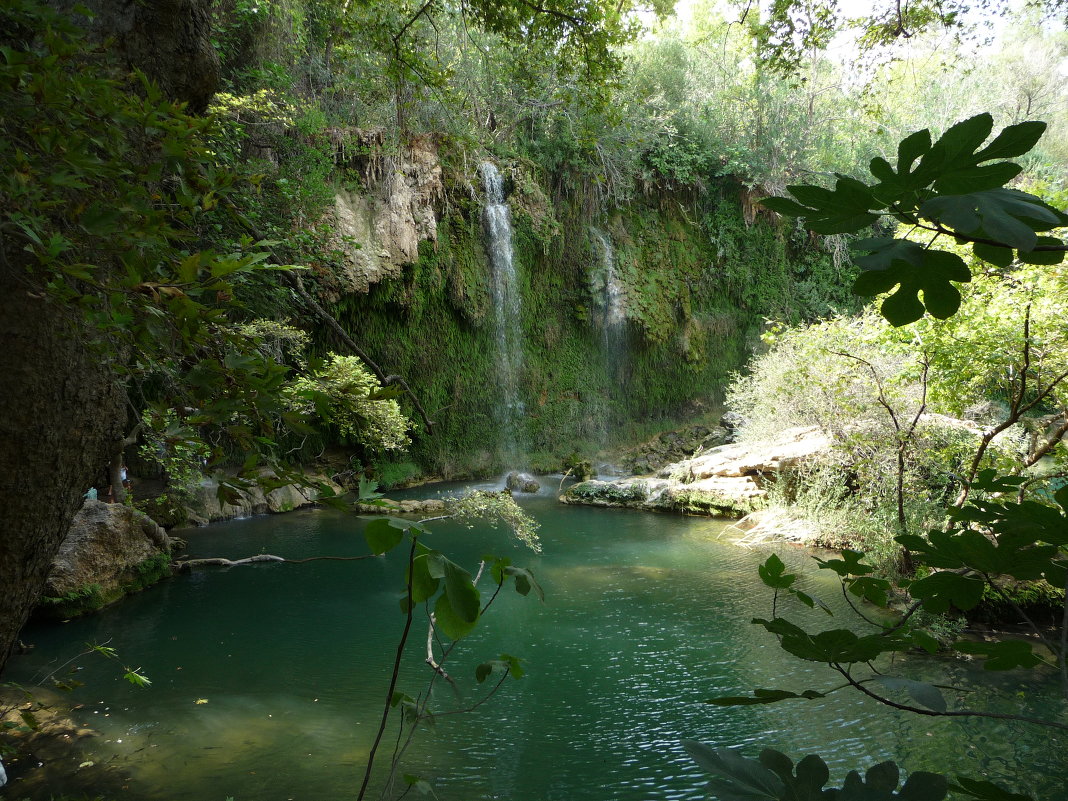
(729, 480)
(206, 506)
(522, 482)
(110, 550)
(379, 230)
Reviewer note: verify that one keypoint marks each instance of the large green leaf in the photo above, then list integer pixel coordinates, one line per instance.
(524, 581)
(448, 621)
(998, 256)
(883, 251)
(808, 781)
(462, 594)
(881, 780)
(734, 777)
(1014, 140)
(931, 272)
(423, 584)
(943, 591)
(384, 534)
(773, 574)
(1007, 216)
(834, 645)
(1044, 257)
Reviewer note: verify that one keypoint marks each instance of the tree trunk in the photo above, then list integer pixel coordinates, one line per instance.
(169, 40)
(61, 402)
(62, 409)
(118, 489)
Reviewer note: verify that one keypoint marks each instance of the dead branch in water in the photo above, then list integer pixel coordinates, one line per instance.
(218, 561)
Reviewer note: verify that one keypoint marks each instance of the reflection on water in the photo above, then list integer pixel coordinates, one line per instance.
(645, 617)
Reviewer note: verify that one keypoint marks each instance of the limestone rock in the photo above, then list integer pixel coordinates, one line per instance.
(206, 506)
(726, 481)
(787, 449)
(379, 230)
(673, 446)
(104, 547)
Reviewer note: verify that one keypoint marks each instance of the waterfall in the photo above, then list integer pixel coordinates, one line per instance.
(497, 222)
(613, 328)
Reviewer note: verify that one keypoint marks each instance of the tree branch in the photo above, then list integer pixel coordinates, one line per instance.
(948, 714)
(218, 561)
(393, 677)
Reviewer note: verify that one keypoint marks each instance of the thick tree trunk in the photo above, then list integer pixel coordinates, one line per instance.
(169, 40)
(61, 418)
(61, 407)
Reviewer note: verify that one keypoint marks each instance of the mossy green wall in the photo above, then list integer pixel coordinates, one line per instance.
(698, 282)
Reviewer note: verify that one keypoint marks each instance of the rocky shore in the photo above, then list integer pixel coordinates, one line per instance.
(727, 480)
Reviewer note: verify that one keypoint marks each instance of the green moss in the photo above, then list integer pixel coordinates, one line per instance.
(601, 492)
(698, 283)
(395, 474)
(75, 603)
(1040, 600)
(704, 503)
(92, 597)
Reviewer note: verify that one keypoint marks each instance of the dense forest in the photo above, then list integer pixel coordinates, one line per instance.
(793, 264)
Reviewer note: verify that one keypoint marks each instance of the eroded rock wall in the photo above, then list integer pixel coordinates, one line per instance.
(379, 228)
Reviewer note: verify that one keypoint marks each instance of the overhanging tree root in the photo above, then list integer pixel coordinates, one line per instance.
(218, 561)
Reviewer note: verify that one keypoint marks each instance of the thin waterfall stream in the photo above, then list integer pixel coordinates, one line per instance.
(613, 327)
(504, 288)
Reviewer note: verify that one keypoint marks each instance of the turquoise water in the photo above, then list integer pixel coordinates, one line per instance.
(645, 616)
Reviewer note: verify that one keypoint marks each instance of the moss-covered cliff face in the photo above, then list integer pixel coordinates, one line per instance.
(694, 280)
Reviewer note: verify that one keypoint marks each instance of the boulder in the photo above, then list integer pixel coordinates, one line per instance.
(673, 446)
(522, 482)
(756, 459)
(110, 550)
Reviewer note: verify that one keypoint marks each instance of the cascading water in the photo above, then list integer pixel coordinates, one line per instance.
(497, 222)
(614, 327)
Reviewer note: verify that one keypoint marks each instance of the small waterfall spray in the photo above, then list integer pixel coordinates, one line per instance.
(497, 222)
(614, 327)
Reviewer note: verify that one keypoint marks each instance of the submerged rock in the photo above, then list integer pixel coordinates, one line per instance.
(521, 482)
(728, 480)
(110, 550)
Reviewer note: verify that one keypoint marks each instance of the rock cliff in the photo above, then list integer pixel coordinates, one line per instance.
(379, 229)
